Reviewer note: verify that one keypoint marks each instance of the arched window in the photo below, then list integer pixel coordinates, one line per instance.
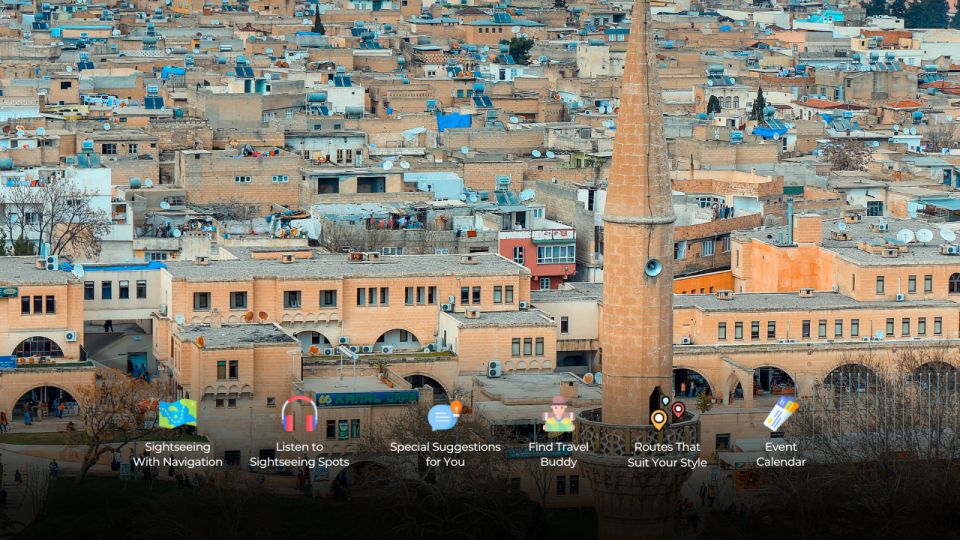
(37, 346)
(736, 102)
(727, 102)
(955, 283)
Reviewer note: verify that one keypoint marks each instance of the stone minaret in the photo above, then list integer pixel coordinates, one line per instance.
(636, 332)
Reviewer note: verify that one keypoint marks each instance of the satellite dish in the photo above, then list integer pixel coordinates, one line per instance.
(464, 150)
(164, 205)
(515, 29)
(598, 376)
(180, 319)
(78, 270)
(200, 341)
(69, 69)
(473, 198)
(527, 194)
(463, 197)
(588, 378)
(485, 49)
(535, 153)
(949, 118)
(550, 154)
(404, 165)
(841, 226)
(514, 120)
(262, 315)
(879, 335)
(896, 127)
(147, 183)
(948, 235)
(176, 233)
(733, 81)
(913, 131)
(106, 126)
(905, 235)
(924, 235)
(248, 316)
(386, 165)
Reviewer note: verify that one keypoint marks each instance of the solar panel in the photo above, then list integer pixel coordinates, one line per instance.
(773, 123)
(501, 17)
(153, 102)
(324, 110)
(342, 80)
(244, 72)
(482, 101)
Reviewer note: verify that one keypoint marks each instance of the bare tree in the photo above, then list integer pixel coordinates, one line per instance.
(340, 237)
(847, 156)
(112, 413)
(942, 136)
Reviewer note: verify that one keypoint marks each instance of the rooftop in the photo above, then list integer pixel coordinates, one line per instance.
(503, 319)
(791, 302)
(20, 271)
(236, 336)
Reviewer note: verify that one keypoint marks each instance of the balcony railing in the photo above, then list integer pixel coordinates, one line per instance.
(619, 440)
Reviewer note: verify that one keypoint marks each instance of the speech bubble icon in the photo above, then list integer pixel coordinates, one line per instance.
(441, 417)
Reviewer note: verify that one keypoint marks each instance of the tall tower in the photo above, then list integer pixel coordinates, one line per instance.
(636, 332)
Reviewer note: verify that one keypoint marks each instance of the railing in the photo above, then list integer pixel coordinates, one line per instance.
(619, 440)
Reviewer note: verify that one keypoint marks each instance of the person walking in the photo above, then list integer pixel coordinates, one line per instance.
(60, 408)
(3, 422)
(26, 414)
(683, 389)
(54, 469)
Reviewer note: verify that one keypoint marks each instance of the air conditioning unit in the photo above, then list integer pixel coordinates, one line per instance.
(452, 299)
(781, 340)
(366, 349)
(354, 349)
(839, 235)
(686, 340)
(949, 249)
(446, 307)
(387, 349)
(469, 259)
(724, 294)
(866, 338)
(524, 305)
(792, 341)
(163, 309)
(428, 348)
(880, 226)
(901, 297)
(890, 252)
(835, 288)
(70, 335)
(344, 340)
(355, 256)
(52, 262)
(328, 351)
(494, 369)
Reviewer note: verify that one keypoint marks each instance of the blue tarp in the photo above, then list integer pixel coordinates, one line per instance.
(167, 71)
(453, 120)
(768, 133)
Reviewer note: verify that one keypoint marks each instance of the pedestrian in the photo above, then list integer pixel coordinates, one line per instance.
(60, 409)
(703, 493)
(54, 469)
(18, 478)
(3, 422)
(26, 416)
(683, 388)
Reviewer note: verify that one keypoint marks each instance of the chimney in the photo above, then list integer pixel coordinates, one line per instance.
(807, 229)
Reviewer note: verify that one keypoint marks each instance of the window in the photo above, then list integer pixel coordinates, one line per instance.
(464, 295)
(564, 325)
(361, 297)
(879, 284)
(88, 290)
(855, 327)
(231, 403)
(231, 457)
(890, 322)
(922, 326)
(928, 283)
(755, 330)
(515, 347)
(201, 301)
(805, 329)
(238, 300)
(331, 429)
(722, 441)
(280, 179)
(51, 305)
(218, 403)
(392, 250)
(221, 370)
(556, 254)
(141, 288)
(408, 296)
(355, 428)
(508, 294)
(725, 244)
(544, 283)
(722, 331)
(37, 305)
(132, 148)
(561, 485)
(241, 179)
(954, 283)
(538, 347)
(384, 296)
(421, 295)
(233, 369)
(66, 85)
(574, 484)
(911, 284)
(905, 327)
(680, 250)
(527, 346)
(431, 295)
(106, 290)
(822, 328)
(937, 326)
(328, 298)
(738, 330)
(24, 305)
(838, 328)
(706, 248)
(271, 402)
(123, 289)
(498, 294)
(476, 295)
(156, 255)
(874, 208)
(518, 254)
(372, 296)
(108, 149)
(771, 329)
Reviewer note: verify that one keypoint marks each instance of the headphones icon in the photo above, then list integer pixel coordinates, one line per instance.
(310, 422)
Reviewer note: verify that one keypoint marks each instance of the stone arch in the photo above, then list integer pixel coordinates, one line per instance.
(733, 388)
(311, 338)
(935, 375)
(686, 376)
(850, 378)
(45, 393)
(38, 346)
(400, 339)
(774, 379)
(419, 380)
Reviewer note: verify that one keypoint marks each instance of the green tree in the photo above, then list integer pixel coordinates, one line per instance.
(758, 105)
(520, 49)
(704, 401)
(876, 7)
(713, 105)
(318, 25)
(22, 246)
(927, 14)
(898, 8)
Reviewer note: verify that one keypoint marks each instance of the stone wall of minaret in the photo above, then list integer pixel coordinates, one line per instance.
(636, 330)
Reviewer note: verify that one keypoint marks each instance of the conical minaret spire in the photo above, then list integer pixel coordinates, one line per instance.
(636, 333)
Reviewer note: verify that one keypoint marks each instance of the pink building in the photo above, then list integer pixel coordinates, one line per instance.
(547, 248)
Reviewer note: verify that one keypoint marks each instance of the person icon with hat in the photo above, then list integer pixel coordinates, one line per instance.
(560, 421)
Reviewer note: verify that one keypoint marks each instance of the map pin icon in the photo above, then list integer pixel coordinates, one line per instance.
(678, 409)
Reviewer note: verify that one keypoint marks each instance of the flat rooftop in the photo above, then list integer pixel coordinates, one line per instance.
(236, 336)
(536, 388)
(16, 271)
(349, 383)
(503, 319)
(792, 302)
(336, 266)
(569, 292)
